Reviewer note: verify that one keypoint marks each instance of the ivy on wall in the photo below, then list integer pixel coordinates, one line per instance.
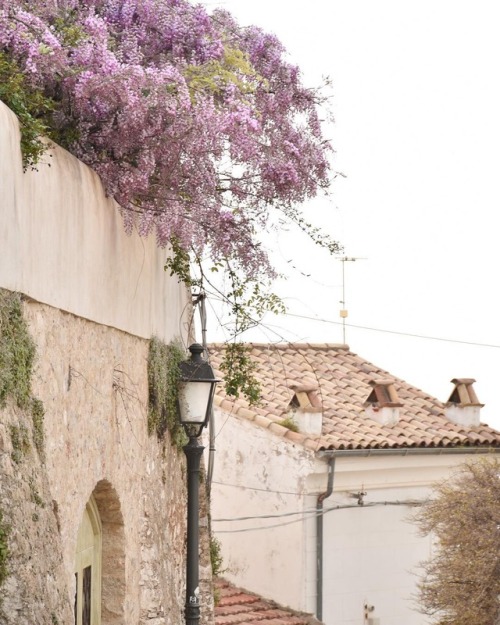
(17, 356)
(163, 379)
(4, 549)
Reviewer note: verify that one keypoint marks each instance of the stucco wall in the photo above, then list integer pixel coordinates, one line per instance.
(63, 244)
(259, 475)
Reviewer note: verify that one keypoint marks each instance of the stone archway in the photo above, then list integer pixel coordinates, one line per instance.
(113, 554)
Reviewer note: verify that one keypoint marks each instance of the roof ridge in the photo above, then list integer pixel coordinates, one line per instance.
(285, 344)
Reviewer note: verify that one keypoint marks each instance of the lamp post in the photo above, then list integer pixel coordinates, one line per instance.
(196, 393)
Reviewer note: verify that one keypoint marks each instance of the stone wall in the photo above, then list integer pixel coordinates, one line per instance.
(92, 381)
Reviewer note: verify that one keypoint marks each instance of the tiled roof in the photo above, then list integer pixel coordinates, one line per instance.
(343, 381)
(239, 607)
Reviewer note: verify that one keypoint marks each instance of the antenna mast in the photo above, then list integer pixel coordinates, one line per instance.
(343, 311)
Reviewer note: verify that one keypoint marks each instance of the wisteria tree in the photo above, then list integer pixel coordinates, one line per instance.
(201, 130)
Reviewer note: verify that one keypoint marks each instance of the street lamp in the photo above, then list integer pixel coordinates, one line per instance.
(196, 392)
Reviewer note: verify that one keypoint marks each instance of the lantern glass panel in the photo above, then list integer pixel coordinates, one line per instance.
(193, 401)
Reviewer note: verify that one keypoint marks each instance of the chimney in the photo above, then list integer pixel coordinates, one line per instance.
(306, 410)
(383, 403)
(463, 407)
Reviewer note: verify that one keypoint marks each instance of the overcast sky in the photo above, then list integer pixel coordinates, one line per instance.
(416, 100)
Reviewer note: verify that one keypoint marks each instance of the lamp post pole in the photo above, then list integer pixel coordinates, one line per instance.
(195, 395)
(193, 451)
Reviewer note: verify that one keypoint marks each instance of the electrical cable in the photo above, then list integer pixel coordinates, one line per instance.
(262, 490)
(307, 515)
(417, 336)
(373, 329)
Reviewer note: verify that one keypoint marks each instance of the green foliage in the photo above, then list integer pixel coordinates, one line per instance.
(70, 33)
(4, 549)
(216, 559)
(17, 352)
(317, 235)
(179, 264)
(17, 356)
(238, 371)
(215, 76)
(32, 107)
(38, 412)
(248, 300)
(19, 436)
(163, 379)
(290, 424)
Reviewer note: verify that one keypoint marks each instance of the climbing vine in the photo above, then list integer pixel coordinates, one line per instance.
(163, 379)
(4, 549)
(17, 356)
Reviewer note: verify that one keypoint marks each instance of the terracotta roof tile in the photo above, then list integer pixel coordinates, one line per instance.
(239, 607)
(344, 382)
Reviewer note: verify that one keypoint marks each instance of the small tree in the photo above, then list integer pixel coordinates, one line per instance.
(461, 582)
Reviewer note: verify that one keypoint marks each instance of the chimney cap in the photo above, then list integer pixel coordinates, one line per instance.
(463, 394)
(383, 394)
(305, 398)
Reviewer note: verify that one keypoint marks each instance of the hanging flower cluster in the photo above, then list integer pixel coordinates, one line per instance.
(197, 127)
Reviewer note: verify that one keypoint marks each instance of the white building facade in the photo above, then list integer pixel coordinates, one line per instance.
(317, 528)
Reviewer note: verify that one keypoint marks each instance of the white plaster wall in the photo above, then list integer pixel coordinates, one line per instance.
(63, 244)
(258, 474)
(372, 552)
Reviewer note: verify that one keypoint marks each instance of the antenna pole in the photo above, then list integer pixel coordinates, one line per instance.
(343, 311)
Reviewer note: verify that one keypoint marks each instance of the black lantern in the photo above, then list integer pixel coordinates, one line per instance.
(196, 392)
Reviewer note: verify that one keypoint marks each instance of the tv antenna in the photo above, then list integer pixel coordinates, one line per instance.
(343, 311)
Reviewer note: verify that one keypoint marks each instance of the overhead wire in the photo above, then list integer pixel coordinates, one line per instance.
(308, 514)
(385, 331)
(257, 489)
(271, 329)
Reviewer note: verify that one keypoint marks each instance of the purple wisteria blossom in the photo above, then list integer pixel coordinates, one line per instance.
(197, 127)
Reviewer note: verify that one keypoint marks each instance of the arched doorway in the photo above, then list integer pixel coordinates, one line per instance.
(88, 567)
(100, 560)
